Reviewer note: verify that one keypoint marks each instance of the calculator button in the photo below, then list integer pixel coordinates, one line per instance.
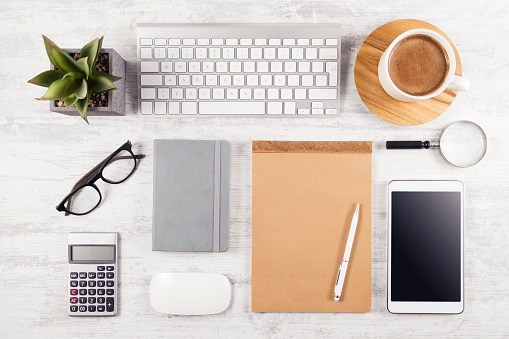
(91, 275)
(74, 300)
(110, 268)
(100, 308)
(83, 283)
(74, 275)
(91, 300)
(110, 291)
(91, 283)
(83, 291)
(100, 291)
(100, 275)
(100, 283)
(91, 291)
(74, 283)
(100, 268)
(83, 300)
(91, 308)
(110, 305)
(100, 300)
(74, 308)
(83, 308)
(110, 275)
(74, 291)
(83, 275)
(110, 283)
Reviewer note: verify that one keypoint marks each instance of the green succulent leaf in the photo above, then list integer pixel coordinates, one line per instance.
(82, 105)
(82, 91)
(100, 84)
(61, 88)
(62, 60)
(45, 79)
(70, 100)
(48, 43)
(82, 64)
(75, 75)
(90, 51)
(110, 77)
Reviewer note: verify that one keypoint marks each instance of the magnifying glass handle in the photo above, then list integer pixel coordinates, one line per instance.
(407, 144)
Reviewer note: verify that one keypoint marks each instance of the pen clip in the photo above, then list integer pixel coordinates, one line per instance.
(339, 272)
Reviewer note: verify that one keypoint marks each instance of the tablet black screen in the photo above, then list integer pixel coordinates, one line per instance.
(426, 246)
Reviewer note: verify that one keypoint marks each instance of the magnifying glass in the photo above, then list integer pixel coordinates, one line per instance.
(462, 144)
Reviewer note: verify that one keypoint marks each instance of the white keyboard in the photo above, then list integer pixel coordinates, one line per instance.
(238, 69)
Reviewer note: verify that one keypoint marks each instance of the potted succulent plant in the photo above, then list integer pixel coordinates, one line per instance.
(77, 81)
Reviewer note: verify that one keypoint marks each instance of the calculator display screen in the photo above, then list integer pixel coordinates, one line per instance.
(93, 253)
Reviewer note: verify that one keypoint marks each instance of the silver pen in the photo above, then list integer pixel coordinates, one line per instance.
(346, 257)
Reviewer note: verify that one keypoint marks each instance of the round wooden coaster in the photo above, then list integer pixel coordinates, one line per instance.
(371, 91)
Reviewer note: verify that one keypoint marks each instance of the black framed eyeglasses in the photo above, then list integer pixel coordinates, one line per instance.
(115, 169)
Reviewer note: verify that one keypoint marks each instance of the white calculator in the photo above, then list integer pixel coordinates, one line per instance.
(93, 274)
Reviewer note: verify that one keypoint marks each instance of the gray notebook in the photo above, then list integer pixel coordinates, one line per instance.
(191, 195)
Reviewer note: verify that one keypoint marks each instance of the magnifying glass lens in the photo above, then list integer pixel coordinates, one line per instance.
(463, 143)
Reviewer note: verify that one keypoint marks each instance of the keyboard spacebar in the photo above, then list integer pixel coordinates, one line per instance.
(221, 107)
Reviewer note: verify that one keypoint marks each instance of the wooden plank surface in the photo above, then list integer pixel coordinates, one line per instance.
(42, 154)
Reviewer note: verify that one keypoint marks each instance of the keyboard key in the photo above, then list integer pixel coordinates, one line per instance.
(197, 80)
(300, 93)
(246, 42)
(83, 308)
(146, 53)
(307, 80)
(110, 304)
(297, 53)
(73, 300)
(173, 53)
(101, 300)
(328, 53)
(259, 94)
(303, 111)
(187, 53)
(242, 53)
(180, 67)
(74, 308)
(100, 268)
(290, 107)
(159, 109)
(149, 66)
(274, 42)
(173, 107)
(203, 42)
(111, 291)
(145, 42)
(91, 308)
(331, 42)
(91, 300)
(323, 93)
(317, 42)
(256, 53)
(232, 93)
(100, 308)
(245, 93)
(151, 80)
(159, 53)
(208, 67)
(279, 80)
(91, 283)
(83, 275)
(83, 300)
(311, 53)
(201, 53)
(225, 80)
(233, 107)
(304, 67)
(286, 93)
(191, 93)
(146, 93)
(217, 93)
(74, 275)
(266, 80)
(204, 93)
(262, 66)
(272, 93)
(83, 291)
(235, 67)
(331, 111)
(317, 104)
(252, 80)
(74, 283)
(238, 80)
(249, 67)
(74, 291)
(288, 42)
(321, 80)
(111, 283)
(83, 283)
(184, 80)
(260, 42)
(303, 42)
(228, 53)
(317, 111)
(221, 67)
(110, 268)
(188, 42)
(177, 93)
(170, 80)
(269, 53)
(332, 69)
(187, 108)
(317, 67)
(293, 80)
(101, 291)
(217, 42)
(146, 108)
(160, 42)
(283, 53)
(163, 93)
(274, 107)
(232, 42)
(174, 42)
(211, 80)
(100, 283)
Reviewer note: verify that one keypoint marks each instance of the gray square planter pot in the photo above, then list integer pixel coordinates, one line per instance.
(116, 98)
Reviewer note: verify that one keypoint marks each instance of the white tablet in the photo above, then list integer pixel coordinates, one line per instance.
(425, 247)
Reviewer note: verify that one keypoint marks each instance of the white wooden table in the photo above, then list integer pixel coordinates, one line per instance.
(42, 154)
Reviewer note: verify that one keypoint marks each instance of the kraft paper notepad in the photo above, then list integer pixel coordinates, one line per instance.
(191, 195)
(304, 196)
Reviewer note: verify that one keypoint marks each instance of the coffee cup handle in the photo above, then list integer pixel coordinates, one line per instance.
(459, 84)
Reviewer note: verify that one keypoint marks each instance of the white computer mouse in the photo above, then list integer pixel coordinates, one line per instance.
(190, 293)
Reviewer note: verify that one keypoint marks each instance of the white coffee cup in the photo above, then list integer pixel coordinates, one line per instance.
(451, 81)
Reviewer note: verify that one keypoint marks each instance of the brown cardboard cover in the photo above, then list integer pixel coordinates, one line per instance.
(304, 196)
